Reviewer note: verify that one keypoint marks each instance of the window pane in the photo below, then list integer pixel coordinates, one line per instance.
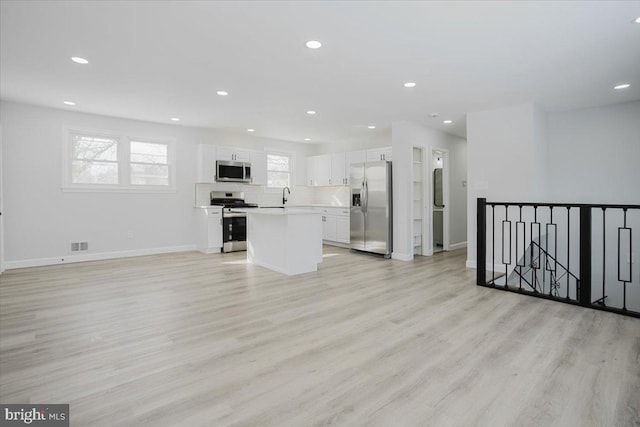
(94, 148)
(150, 174)
(148, 152)
(277, 163)
(86, 172)
(278, 179)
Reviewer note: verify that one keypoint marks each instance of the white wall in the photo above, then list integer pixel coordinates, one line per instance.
(522, 154)
(594, 155)
(373, 138)
(504, 160)
(41, 220)
(406, 135)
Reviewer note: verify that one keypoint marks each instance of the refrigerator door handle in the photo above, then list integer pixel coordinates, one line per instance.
(366, 194)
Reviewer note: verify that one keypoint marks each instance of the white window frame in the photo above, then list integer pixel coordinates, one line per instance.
(124, 162)
(292, 158)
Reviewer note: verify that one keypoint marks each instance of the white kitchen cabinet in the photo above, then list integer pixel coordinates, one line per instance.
(258, 167)
(319, 170)
(343, 229)
(233, 154)
(376, 154)
(311, 169)
(329, 231)
(338, 169)
(352, 157)
(335, 224)
(206, 163)
(209, 221)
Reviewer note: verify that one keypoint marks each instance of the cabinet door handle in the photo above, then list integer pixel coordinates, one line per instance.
(329, 180)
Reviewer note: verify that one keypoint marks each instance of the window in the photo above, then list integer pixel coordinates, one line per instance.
(105, 162)
(149, 163)
(94, 160)
(278, 170)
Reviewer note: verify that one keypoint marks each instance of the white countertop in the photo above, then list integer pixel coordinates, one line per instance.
(279, 211)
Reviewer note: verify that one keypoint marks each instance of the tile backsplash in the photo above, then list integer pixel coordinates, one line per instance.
(300, 195)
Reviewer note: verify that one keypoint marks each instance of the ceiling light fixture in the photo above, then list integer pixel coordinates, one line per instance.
(371, 127)
(251, 130)
(622, 86)
(311, 112)
(79, 60)
(175, 119)
(410, 84)
(313, 44)
(307, 139)
(69, 103)
(637, 21)
(222, 93)
(447, 122)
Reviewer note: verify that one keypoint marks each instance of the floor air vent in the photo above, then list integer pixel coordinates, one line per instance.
(79, 246)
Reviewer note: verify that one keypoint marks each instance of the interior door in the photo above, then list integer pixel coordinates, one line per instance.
(377, 214)
(357, 223)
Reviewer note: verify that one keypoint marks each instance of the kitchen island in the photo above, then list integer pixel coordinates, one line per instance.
(288, 241)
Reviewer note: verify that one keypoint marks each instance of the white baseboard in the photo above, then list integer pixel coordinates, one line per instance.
(454, 246)
(499, 268)
(67, 259)
(402, 257)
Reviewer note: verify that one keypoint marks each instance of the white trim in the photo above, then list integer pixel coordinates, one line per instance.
(499, 268)
(454, 246)
(402, 257)
(67, 259)
(118, 189)
(123, 163)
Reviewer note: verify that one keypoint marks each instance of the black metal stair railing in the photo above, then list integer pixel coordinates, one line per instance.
(582, 254)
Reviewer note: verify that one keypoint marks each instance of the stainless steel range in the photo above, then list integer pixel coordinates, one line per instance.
(234, 219)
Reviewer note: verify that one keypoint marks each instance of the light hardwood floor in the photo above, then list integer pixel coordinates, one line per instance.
(190, 339)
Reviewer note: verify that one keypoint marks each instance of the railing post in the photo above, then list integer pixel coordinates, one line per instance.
(481, 243)
(584, 291)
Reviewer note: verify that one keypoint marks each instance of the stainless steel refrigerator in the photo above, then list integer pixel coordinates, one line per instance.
(371, 207)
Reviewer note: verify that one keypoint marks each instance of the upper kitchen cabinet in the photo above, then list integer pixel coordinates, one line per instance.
(338, 169)
(233, 154)
(377, 154)
(206, 163)
(352, 157)
(258, 167)
(319, 170)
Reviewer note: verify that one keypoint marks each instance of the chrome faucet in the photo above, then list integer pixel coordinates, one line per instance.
(284, 198)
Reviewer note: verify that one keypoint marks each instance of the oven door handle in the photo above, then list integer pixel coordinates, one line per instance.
(233, 214)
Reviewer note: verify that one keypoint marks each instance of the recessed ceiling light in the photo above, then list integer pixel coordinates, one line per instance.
(222, 93)
(371, 127)
(622, 86)
(311, 112)
(637, 21)
(251, 130)
(69, 103)
(307, 139)
(313, 44)
(447, 122)
(410, 84)
(79, 60)
(175, 119)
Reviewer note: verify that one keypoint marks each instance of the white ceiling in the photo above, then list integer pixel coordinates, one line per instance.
(156, 60)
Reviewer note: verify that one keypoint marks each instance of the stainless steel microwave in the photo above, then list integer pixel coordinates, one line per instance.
(227, 171)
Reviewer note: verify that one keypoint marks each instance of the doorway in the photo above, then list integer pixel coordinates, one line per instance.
(439, 196)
